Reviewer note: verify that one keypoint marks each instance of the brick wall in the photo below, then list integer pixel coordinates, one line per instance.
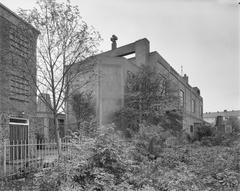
(12, 103)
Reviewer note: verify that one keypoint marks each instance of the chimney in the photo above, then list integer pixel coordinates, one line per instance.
(114, 39)
(185, 77)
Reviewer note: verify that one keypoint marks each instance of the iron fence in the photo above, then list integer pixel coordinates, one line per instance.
(18, 157)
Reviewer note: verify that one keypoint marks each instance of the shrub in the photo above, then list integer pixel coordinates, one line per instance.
(127, 121)
(218, 140)
(108, 162)
(150, 141)
(97, 164)
(148, 94)
(203, 131)
(83, 109)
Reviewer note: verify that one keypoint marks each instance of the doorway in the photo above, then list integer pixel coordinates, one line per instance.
(18, 138)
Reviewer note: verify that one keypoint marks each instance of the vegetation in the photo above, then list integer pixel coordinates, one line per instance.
(109, 162)
(154, 156)
(146, 150)
(235, 123)
(204, 131)
(84, 112)
(150, 98)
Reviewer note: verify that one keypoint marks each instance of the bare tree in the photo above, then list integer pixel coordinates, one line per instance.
(64, 41)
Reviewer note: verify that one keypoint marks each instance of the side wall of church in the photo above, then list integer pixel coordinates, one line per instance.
(190, 116)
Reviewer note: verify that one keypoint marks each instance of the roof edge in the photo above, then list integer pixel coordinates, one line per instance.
(18, 17)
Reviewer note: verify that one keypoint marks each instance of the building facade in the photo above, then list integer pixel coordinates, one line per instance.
(211, 117)
(111, 71)
(17, 61)
(222, 120)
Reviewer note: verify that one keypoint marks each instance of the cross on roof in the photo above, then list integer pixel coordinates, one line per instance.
(114, 39)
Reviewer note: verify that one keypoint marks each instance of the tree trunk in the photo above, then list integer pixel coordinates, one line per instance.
(58, 139)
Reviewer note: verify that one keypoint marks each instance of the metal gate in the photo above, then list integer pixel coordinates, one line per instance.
(18, 138)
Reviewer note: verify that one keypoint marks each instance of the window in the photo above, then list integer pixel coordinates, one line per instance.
(193, 105)
(201, 110)
(181, 95)
(191, 129)
(61, 127)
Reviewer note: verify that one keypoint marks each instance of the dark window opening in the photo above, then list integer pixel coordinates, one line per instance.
(129, 56)
(191, 128)
(14, 120)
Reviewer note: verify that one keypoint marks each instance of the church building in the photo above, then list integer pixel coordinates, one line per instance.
(113, 67)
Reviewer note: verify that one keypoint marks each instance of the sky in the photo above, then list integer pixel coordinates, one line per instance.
(201, 36)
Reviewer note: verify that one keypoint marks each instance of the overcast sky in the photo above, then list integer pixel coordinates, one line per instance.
(200, 35)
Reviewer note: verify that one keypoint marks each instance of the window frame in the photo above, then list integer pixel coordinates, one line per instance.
(191, 129)
(182, 98)
(201, 110)
(193, 106)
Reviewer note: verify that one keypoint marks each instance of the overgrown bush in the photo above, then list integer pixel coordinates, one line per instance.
(97, 164)
(219, 140)
(150, 97)
(84, 110)
(149, 141)
(110, 162)
(203, 131)
(127, 121)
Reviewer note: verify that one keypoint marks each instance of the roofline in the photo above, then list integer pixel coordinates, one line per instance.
(227, 111)
(171, 70)
(18, 17)
(221, 113)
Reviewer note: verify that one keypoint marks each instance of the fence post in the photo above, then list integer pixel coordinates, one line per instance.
(60, 147)
(4, 158)
(60, 144)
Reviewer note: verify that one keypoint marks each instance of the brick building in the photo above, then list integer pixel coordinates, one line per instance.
(112, 68)
(17, 61)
